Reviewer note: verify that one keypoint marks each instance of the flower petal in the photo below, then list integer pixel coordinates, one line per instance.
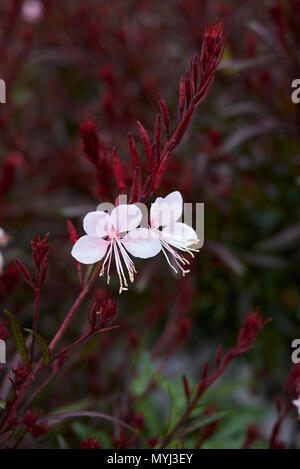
(97, 224)
(166, 211)
(126, 217)
(180, 235)
(142, 243)
(88, 250)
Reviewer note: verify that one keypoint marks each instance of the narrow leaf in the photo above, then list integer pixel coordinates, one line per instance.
(18, 335)
(165, 113)
(118, 171)
(157, 132)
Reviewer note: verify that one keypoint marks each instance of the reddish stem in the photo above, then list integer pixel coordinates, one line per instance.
(74, 308)
(278, 425)
(37, 291)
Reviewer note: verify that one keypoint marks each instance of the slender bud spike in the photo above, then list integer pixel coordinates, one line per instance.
(205, 371)
(24, 272)
(181, 96)
(157, 132)
(165, 113)
(136, 187)
(161, 171)
(72, 232)
(118, 171)
(133, 150)
(146, 143)
(187, 84)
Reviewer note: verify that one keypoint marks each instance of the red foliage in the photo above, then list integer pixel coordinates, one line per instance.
(31, 422)
(90, 443)
(20, 375)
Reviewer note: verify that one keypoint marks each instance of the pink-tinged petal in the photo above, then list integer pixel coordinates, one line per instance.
(155, 212)
(166, 211)
(89, 250)
(104, 225)
(97, 224)
(180, 235)
(142, 243)
(126, 217)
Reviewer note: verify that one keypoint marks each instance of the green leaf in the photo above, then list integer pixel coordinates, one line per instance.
(140, 382)
(152, 414)
(18, 335)
(44, 347)
(205, 420)
(177, 401)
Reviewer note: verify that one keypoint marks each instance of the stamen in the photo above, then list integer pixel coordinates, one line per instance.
(177, 257)
(119, 268)
(108, 256)
(120, 254)
(127, 260)
(168, 260)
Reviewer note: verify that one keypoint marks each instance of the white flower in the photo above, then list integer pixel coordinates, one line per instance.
(3, 242)
(32, 10)
(297, 404)
(92, 248)
(173, 238)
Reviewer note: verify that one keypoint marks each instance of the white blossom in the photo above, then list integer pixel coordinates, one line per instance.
(92, 247)
(172, 239)
(297, 404)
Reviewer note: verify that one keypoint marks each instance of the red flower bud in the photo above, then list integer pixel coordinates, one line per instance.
(152, 442)
(90, 141)
(40, 252)
(90, 443)
(186, 386)
(31, 423)
(253, 325)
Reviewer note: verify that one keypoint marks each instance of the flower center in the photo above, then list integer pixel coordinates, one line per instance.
(122, 260)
